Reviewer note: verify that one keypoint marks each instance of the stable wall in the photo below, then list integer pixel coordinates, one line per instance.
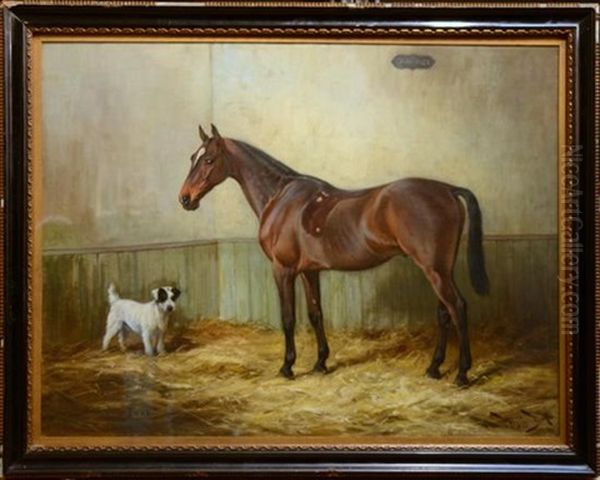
(233, 281)
(120, 123)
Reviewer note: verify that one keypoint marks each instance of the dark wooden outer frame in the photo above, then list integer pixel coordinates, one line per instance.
(306, 20)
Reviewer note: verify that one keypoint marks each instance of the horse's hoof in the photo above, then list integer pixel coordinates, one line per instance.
(434, 373)
(287, 372)
(320, 368)
(461, 380)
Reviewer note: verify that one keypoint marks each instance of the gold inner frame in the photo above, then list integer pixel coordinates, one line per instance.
(561, 39)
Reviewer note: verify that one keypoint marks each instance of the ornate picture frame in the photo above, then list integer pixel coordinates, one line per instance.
(571, 27)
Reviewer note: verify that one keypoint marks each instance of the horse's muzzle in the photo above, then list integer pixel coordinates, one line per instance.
(187, 202)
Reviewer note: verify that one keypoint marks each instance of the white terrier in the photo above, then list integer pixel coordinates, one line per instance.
(149, 320)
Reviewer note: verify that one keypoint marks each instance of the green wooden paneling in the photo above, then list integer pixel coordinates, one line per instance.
(233, 281)
(74, 292)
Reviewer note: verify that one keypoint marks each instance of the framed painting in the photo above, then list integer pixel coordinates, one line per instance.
(300, 238)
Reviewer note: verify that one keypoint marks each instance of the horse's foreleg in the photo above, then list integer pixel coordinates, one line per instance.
(315, 315)
(285, 285)
(440, 350)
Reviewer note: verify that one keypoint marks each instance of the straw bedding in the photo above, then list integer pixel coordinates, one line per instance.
(221, 378)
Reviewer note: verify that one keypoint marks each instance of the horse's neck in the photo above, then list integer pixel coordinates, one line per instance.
(260, 179)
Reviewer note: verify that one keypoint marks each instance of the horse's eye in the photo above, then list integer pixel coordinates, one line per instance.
(209, 160)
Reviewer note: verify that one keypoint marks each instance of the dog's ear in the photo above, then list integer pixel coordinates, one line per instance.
(159, 294)
(176, 293)
(162, 295)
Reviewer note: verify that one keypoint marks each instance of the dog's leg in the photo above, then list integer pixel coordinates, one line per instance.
(112, 328)
(122, 338)
(160, 345)
(146, 337)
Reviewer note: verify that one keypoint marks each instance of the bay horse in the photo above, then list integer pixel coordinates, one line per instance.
(307, 225)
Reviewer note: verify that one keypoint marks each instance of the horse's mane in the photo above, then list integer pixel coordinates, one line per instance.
(266, 159)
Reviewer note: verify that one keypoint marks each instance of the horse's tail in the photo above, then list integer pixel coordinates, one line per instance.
(476, 258)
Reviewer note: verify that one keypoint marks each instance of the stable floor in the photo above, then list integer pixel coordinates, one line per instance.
(221, 378)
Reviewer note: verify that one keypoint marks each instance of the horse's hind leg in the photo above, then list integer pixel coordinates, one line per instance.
(315, 315)
(450, 296)
(440, 350)
(464, 362)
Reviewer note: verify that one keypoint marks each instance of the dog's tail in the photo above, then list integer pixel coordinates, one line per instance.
(113, 296)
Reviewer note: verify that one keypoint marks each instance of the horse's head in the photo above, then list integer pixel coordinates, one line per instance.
(209, 168)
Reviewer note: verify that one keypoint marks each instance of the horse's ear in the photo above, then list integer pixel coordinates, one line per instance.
(203, 135)
(215, 132)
